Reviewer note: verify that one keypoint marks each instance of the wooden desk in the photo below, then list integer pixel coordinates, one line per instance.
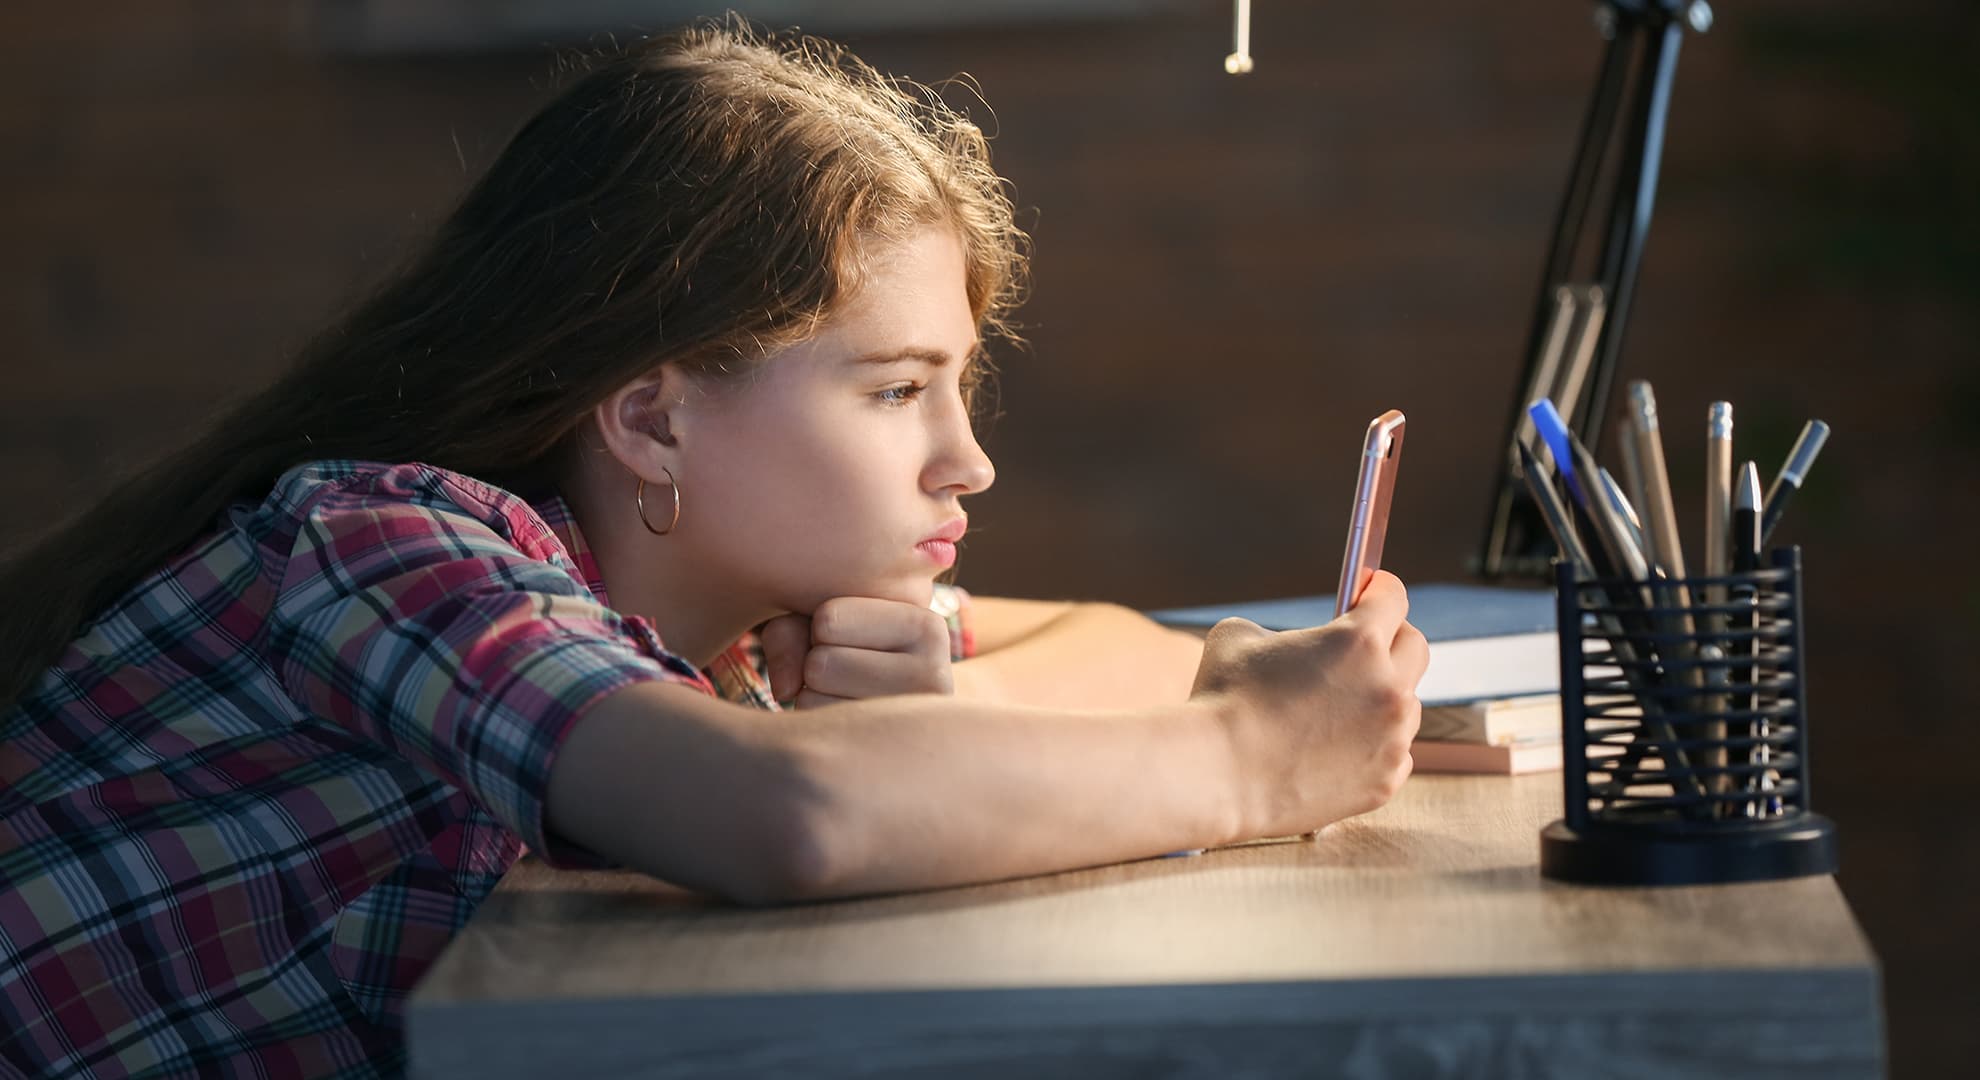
(1416, 941)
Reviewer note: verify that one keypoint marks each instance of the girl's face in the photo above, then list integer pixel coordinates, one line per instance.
(827, 473)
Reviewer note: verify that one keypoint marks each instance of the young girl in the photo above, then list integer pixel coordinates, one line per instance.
(668, 424)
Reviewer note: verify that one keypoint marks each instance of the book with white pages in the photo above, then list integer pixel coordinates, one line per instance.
(1512, 721)
(1485, 641)
(1433, 756)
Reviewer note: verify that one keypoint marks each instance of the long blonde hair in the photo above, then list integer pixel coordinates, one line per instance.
(694, 199)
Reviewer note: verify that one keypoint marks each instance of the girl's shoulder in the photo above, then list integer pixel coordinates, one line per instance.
(331, 487)
(410, 481)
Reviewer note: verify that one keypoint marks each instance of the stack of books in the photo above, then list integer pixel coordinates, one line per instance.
(1496, 735)
(1491, 697)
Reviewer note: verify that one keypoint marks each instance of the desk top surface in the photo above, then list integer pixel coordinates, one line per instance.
(1441, 884)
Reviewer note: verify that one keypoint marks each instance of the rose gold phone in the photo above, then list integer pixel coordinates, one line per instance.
(1380, 453)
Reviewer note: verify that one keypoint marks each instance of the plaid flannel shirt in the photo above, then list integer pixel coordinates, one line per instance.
(244, 811)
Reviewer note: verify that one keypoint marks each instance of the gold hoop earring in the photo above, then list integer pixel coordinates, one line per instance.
(639, 500)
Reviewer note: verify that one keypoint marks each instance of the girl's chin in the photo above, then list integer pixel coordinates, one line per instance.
(917, 589)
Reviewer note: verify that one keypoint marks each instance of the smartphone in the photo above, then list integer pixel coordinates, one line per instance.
(1381, 451)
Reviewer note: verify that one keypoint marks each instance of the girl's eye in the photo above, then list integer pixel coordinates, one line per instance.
(900, 395)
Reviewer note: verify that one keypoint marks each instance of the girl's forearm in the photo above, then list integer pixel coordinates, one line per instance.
(886, 794)
(931, 791)
(1092, 656)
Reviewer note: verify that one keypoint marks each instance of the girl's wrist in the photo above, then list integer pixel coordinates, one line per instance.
(976, 681)
(1228, 815)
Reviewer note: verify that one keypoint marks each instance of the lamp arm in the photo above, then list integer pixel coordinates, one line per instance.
(1648, 33)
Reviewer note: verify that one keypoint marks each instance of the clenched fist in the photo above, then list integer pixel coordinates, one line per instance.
(1320, 720)
(857, 647)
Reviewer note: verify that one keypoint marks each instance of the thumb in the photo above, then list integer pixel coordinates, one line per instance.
(786, 639)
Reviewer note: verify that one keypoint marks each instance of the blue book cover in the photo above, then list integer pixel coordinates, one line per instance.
(1442, 610)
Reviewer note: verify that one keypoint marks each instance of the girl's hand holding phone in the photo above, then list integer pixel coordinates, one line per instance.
(1320, 720)
(857, 647)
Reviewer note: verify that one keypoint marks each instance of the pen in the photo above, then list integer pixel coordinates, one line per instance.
(1634, 636)
(1746, 559)
(1711, 670)
(1745, 534)
(1718, 541)
(1628, 528)
(1659, 513)
(1554, 433)
(1567, 538)
(1551, 510)
(1626, 514)
(1615, 522)
(1666, 550)
(1718, 498)
(1632, 462)
(1806, 446)
(1611, 528)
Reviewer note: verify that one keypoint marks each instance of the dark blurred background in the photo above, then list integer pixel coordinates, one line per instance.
(1232, 276)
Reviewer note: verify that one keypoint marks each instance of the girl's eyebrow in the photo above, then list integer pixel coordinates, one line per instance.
(913, 354)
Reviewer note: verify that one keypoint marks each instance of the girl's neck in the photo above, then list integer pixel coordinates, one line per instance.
(696, 617)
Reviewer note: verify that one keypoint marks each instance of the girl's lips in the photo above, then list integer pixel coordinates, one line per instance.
(952, 532)
(941, 552)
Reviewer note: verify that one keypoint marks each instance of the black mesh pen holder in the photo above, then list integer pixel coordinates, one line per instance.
(1684, 728)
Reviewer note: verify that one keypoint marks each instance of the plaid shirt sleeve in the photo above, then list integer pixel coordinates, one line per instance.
(411, 614)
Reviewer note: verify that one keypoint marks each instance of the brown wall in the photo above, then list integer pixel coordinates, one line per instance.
(1231, 277)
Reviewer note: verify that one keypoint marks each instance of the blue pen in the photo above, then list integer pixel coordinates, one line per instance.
(1547, 421)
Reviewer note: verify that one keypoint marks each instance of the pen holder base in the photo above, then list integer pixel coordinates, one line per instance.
(1765, 851)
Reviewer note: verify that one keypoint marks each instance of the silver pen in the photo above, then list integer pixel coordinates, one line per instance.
(1718, 559)
(1718, 498)
(1632, 462)
(1640, 563)
(1806, 446)
(1745, 539)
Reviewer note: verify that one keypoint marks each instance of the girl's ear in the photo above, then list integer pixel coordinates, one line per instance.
(641, 422)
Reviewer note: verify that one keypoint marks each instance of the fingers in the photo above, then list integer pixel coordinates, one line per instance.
(1411, 653)
(785, 640)
(1383, 606)
(841, 671)
(863, 622)
(857, 647)
(812, 699)
(1412, 723)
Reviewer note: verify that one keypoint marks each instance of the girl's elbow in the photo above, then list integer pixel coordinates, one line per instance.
(793, 862)
(798, 847)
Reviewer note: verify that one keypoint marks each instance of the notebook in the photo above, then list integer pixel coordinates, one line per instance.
(1485, 641)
